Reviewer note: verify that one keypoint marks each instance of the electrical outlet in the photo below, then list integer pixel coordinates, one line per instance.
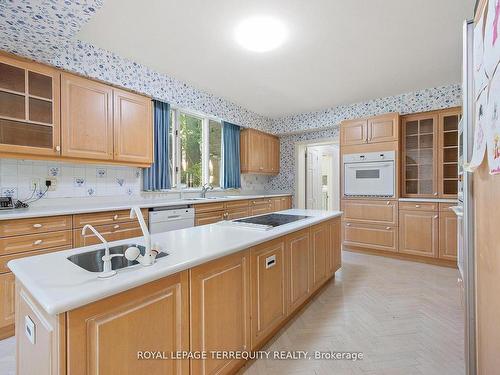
(35, 184)
(53, 183)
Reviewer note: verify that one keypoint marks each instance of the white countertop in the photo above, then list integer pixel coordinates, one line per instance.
(85, 206)
(430, 200)
(59, 285)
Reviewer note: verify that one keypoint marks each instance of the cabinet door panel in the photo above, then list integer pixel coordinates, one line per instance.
(133, 128)
(104, 337)
(383, 128)
(220, 311)
(335, 252)
(298, 255)
(320, 244)
(7, 305)
(87, 118)
(268, 292)
(447, 235)
(110, 232)
(353, 132)
(208, 218)
(418, 233)
(237, 213)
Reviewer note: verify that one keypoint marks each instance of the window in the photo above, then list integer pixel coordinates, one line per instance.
(196, 144)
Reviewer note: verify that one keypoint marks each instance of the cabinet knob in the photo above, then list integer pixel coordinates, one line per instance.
(388, 202)
(115, 217)
(435, 193)
(387, 228)
(37, 242)
(58, 148)
(37, 225)
(417, 206)
(261, 168)
(116, 226)
(348, 224)
(435, 216)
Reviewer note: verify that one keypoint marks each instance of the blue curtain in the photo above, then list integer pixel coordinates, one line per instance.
(231, 174)
(158, 175)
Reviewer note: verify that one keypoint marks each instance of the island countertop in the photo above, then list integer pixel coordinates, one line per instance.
(59, 285)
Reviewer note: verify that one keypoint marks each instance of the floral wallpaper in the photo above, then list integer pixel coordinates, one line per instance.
(45, 31)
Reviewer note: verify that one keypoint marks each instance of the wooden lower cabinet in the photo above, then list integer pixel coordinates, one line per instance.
(281, 203)
(268, 289)
(220, 311)
(110, 232)
(206, 218)
(320, 245)
(373, 211)
(418, 233)
(105, 337)
(378, 237)
(7, 304)
(448, 235)
(237, 213)
(298, 257)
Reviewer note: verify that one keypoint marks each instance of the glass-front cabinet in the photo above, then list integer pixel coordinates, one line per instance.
(29, 108)
(430, 154)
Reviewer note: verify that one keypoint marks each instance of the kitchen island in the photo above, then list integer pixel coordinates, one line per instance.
(221, 288)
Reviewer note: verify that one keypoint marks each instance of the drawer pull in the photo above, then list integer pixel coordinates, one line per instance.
(387, 228)
(435, 193)
(116, 226)
(417, 206)
(436, 216)
(388, 202)
(270, 261)
(115, 217)
(37, 242)
(37, 225)
(348, 224)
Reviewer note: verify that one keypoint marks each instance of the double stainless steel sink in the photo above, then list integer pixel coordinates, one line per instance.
(92, 260)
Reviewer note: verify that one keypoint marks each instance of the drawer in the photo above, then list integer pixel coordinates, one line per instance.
(418, 206)
(209, 217)
(260, 201)
(4, 259)
(31, 242)
(34, 225)
(371, 212)
(237, 213)
(208, 207)
(110, 232)
(445, 207)
(376, 237)
(107, 217)
(237, 204)
(261, 209)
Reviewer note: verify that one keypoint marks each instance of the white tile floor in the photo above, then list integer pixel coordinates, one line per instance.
(405, 317)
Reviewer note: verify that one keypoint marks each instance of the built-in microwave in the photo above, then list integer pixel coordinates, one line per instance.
(370, 174)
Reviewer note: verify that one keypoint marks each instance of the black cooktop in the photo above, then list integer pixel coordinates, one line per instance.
(273, 220)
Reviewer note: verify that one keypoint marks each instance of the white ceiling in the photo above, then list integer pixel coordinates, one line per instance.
(337, 52)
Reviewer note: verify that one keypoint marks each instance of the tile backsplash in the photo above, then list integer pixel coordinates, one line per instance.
(17, 178)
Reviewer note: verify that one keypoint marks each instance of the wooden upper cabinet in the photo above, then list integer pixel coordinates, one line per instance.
(259, 152)
(133, 128)
(87, 118)
(384, 128)
(418, 233)
(29, 108)
(448, 121)
(420, 155)
(353, 132)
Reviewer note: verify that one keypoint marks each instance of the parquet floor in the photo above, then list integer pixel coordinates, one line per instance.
(405, 317)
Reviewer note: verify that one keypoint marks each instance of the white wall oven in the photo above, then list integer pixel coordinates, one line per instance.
(370, 174)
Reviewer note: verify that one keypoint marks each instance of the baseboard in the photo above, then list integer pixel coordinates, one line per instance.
(413, 258)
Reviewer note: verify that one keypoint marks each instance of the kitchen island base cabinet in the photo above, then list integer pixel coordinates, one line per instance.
(320, 247)
(220, 311)
(7, 304)
(106, 337)
(268, 291)
(298, 255)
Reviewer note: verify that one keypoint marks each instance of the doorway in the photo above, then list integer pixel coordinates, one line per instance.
(318, 176)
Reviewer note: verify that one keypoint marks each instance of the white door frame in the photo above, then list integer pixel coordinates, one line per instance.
(300, 166)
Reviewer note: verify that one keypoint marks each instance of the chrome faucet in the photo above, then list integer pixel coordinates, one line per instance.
(106, 258)
(133, 253)
(206, 188)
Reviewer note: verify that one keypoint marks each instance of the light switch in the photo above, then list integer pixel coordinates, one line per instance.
(29, 329)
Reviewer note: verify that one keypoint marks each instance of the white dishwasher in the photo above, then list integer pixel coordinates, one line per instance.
(165, 219)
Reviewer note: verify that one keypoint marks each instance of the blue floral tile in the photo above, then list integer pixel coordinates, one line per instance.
(53, 171)
(78, 181)
(101, 173)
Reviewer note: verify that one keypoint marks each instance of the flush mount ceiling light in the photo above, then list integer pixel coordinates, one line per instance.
(261, 33)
